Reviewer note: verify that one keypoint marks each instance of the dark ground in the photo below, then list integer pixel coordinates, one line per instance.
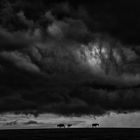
(72, 134)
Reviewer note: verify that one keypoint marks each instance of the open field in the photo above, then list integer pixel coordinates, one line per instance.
(71, 134)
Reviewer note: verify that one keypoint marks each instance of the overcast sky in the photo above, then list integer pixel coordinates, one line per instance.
(71, 59)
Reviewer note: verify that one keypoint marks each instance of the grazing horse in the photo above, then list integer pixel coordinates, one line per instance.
(69, 125)
(95, 125)
(61, 125)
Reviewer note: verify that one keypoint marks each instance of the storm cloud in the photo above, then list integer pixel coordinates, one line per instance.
(58, 63)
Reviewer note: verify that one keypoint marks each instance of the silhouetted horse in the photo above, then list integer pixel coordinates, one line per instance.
(69, 125)
(61, 125)
(95, 124)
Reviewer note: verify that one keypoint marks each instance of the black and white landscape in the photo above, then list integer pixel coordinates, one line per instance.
(72, 63)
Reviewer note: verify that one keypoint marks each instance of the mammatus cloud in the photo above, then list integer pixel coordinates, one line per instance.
(64, 67)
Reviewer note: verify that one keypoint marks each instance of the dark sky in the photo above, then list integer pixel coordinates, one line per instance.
(69, 57)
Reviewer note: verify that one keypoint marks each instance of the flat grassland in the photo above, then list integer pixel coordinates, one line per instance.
(71, 134)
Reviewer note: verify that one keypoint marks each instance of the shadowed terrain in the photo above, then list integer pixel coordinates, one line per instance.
(72, 134)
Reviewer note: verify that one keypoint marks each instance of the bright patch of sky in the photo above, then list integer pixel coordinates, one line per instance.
(13, 121)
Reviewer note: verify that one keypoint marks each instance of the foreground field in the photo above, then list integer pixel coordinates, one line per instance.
(71, 134)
